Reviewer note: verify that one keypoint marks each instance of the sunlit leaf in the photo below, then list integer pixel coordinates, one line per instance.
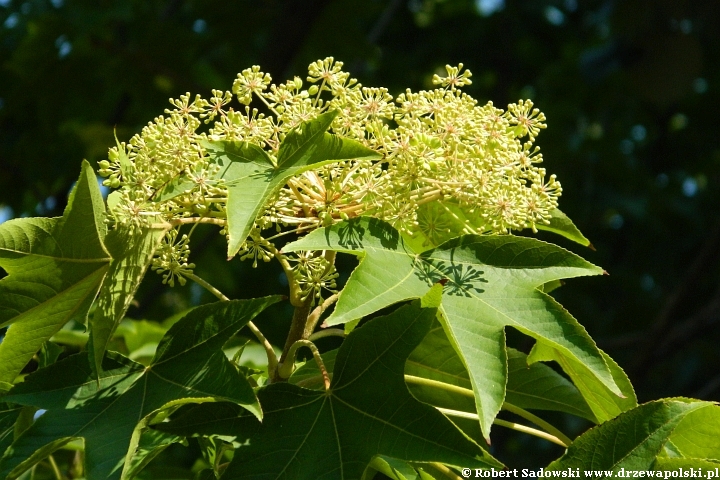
(492, 282)
(535, 386)
(604, 404)
(132, 251)
(562, 225)
(251, 177)
(55, 267)
(698, 435)
(394, 469)
(631, 441)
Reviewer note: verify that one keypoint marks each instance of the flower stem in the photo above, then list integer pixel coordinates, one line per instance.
(184, 221)
(295, 299)
(272, 358)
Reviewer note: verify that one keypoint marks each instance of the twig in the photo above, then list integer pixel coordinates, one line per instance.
(295, 299)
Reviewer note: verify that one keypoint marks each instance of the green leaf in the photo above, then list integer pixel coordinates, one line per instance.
(492, 282)
(367, 411)
(8, 415)
(562, 225)
(138, 333)
(535, 386)
(698, 435)
(189, 366)
(630, 441)
(252, 178)
(394, 469)
(55, 267)
(604, 404)
(539, 387)
(71, 334)
(219, 418)
(309, 375)
(49, 353)
(151, 444)
(674, 464)
(132, 252)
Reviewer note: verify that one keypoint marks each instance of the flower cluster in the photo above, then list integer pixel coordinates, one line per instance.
(449, 166)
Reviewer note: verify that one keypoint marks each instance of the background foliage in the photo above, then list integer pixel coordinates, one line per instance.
(630, 90)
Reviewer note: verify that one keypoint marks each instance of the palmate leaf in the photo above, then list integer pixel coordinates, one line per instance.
(456, 222)
(605, 405)
(670, 464)
(150, 445)
(251, 177)
(334, 434)
(492, 282)
(132, 252)
(535, 386)
(189, 366)
(631, 441)
(698, 435)
(562, 225)
(55, 267)
(395, 470)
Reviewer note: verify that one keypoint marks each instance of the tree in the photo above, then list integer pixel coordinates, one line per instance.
(426, 189)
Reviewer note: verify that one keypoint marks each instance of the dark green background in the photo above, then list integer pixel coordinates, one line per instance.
(631, 90)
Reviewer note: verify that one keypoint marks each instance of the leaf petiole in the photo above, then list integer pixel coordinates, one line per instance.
(272, 358)
(537, 421)
(554, 432)
(55, 469)
(329, 332)
(445, 471)
(285, 369)
(503, 423)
